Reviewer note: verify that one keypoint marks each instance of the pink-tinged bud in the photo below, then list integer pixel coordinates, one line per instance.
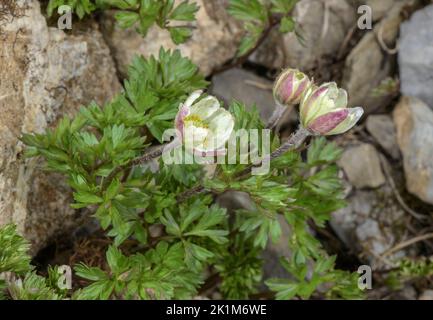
(324, 111)
(290, 87)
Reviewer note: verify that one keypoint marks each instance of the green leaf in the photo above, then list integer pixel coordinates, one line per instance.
(171, 225)
(248, 10)
(247, 43)
(100, 290)
(157, 87)
(283, 6)
(285, 291)
(113, 189)
(90, 273)
(325, 182)
(198, 220)
(87, 198)
(255, 16)
(140, 233)
(14, 249)
(116, 260)
(126, 19)
(200, 253)
(32, 287)
(321, 152)
(179, 34)
(240, 268)
(185, 11)
(287, 25)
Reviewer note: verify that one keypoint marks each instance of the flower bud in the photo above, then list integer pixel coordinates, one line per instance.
(323, 110)
(204, 127)
(290, 87)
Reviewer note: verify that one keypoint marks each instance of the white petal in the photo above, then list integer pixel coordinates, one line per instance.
(194, 136)
(354, 115)
(192, 97)
(333, 90)
(221, 125)
(205, 107)
(341, 101)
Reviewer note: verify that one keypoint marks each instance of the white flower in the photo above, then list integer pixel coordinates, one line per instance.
(203, 127)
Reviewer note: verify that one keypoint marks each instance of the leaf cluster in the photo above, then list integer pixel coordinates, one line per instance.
(259, 15)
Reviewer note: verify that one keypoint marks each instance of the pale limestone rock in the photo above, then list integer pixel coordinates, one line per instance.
(324, 25)
(414, 123)
(362, 166)
(371, 223)
(44, 74)
(214, 41)
(369, 64)
(382, 128)
(415, 56)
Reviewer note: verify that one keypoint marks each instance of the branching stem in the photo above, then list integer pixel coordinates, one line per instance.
(293, 142)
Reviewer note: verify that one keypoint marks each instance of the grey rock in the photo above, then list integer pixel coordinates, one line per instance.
(369, 235)
(241, 85)
(44, 74)
(382, 128)
(363, 203)
(368, 64)
(416, 55)
(362, 166)
(324, 25)
(407, 293)
(371, 223)
(214, 41)
(345, 220)
(235, 200)
(426, 295)
(414, 123)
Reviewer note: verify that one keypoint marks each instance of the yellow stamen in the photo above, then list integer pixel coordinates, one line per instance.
(195, 120)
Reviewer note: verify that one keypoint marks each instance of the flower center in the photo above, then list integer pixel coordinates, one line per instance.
(195, 120)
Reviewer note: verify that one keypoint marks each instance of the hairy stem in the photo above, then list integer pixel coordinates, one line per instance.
(190, 193)
(276, 116)
(294, 142)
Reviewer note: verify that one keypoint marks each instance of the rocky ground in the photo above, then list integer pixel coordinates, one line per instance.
(387, 161)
